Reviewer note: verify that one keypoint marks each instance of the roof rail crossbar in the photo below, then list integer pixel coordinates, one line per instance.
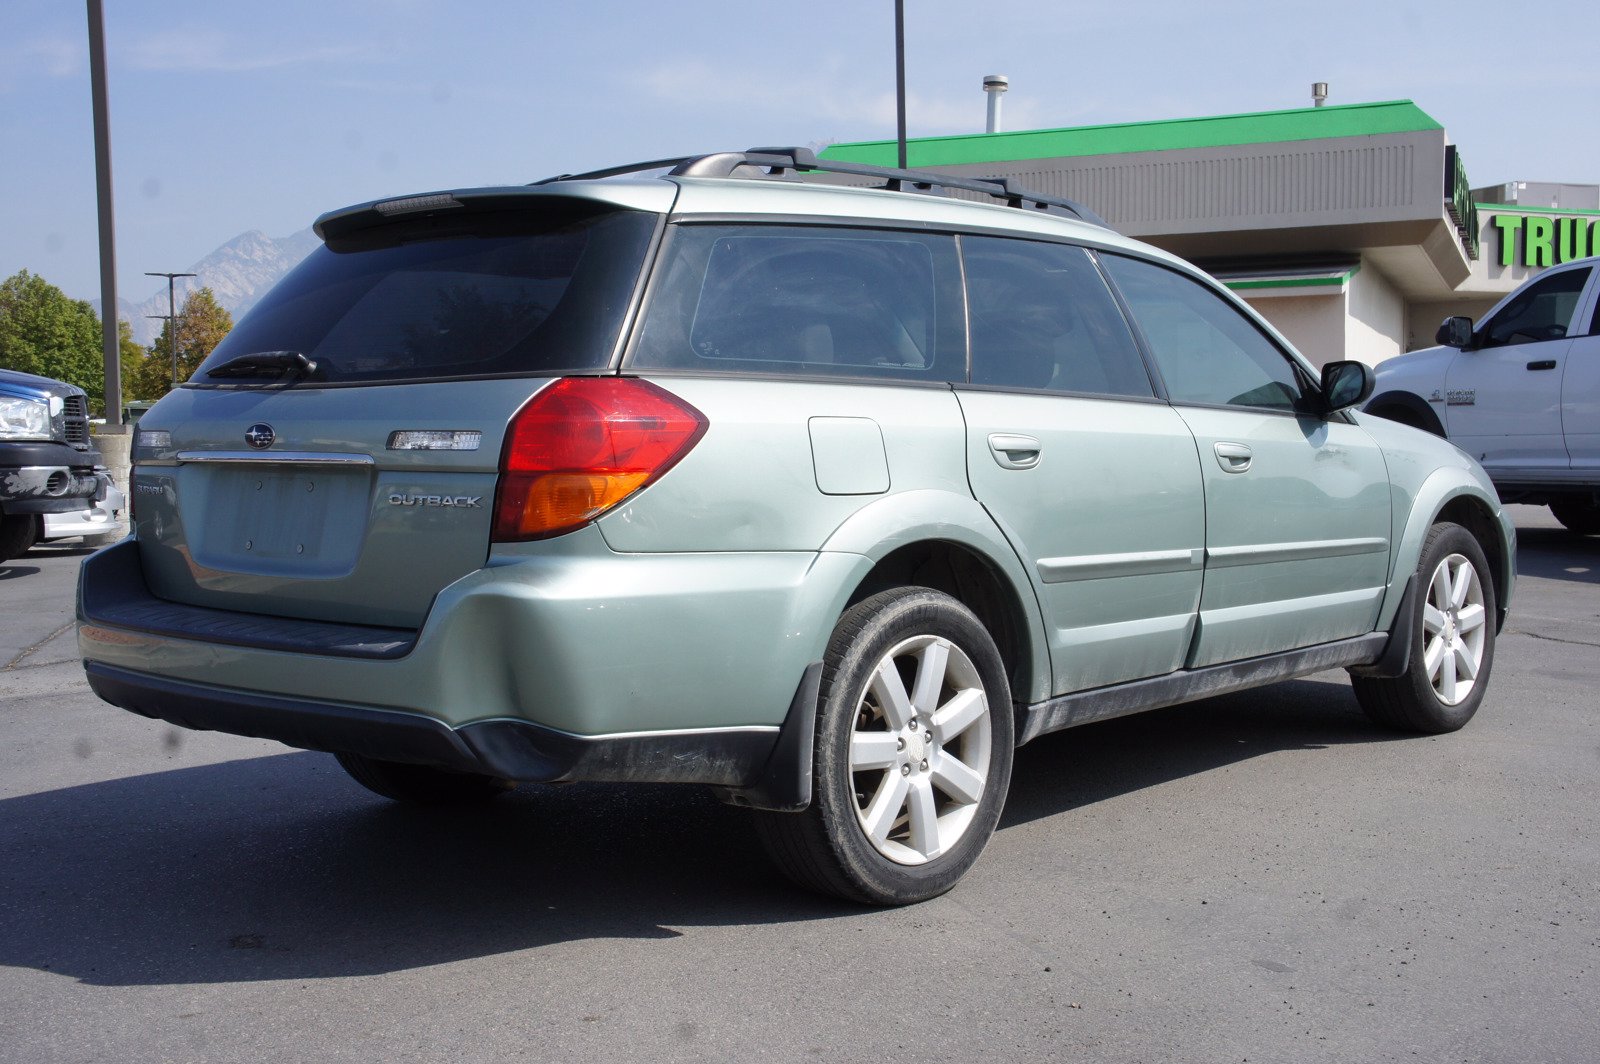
(778, 160)
(617, 171)
(1005, 188)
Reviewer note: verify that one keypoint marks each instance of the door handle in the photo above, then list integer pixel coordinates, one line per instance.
(1543, 363)
(1014, 451)
(1233, 457)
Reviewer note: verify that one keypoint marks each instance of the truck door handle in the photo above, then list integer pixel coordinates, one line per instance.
(1014, 451)
(1543, 363)
(1233, 457)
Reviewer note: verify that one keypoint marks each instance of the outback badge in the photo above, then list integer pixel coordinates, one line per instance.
(260, 436)
(470, 502)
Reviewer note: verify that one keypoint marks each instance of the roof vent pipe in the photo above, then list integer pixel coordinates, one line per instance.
(1319, 93)
(994, 85)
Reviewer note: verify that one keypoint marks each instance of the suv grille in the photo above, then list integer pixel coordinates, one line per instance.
(75, 413)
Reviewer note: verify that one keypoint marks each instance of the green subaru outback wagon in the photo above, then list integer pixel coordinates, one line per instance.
(730, 471)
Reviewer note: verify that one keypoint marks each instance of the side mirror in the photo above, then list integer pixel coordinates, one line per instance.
(1345, 384)
(1455, 332)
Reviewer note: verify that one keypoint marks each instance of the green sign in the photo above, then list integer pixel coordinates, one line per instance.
(1458, 200)
(1544, 239)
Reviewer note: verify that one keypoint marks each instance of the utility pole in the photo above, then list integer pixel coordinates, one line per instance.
(171, 316)
(900, 79)
(110, 345)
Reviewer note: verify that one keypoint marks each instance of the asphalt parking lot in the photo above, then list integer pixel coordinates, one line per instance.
(1260, 877)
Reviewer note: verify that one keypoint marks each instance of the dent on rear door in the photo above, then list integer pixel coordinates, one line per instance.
(1297, 532)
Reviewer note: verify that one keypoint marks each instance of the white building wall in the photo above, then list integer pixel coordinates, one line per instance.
(1315, 325)
(1422, 319)
(1376, 328)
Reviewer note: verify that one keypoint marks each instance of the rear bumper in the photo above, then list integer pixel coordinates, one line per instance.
(760, 767)
(573, 666)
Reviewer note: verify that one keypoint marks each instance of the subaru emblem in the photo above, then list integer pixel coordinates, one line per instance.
(259, 436)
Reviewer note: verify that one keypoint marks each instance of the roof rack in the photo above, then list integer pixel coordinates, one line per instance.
(772, 162)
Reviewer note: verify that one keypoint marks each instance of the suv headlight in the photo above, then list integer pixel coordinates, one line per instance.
(24, 419)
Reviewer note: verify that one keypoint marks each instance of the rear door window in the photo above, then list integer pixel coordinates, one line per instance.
(816, 301)
(1042, 317)
(515, 293)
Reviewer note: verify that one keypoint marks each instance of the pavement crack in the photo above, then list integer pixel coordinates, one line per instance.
(1552, 638)
(17, 662)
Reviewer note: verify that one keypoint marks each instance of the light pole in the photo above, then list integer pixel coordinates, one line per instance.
(900, 80)
(110, 342)
(172, 317)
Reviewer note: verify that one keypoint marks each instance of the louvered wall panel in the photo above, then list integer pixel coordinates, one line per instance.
(1301, 184)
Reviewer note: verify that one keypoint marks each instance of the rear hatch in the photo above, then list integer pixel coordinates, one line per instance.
(336, 457)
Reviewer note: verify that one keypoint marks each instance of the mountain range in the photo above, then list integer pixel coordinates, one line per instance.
(238, 274)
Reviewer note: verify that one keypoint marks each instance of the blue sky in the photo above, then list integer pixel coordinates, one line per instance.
(228, 116)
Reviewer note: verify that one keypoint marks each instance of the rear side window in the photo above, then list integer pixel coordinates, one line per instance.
(807, 300)
(1042, 317)
(1208, 352)
(517, 293)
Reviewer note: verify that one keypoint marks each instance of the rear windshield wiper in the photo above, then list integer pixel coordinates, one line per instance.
(291, 364)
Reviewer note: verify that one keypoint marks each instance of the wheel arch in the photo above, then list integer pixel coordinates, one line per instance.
(968, 577)
(1454, 495)
(949, 543)
(1473, 513)
(1407, 408)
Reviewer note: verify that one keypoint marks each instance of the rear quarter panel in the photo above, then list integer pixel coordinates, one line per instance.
(756, 482)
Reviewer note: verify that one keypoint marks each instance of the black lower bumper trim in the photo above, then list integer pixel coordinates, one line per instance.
(769, 768)
(381, 733)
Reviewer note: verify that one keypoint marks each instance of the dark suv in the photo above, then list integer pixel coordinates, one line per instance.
(47, 464)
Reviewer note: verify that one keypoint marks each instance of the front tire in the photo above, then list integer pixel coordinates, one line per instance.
(421, 784)
(1452, 649)
(912, 757)
(18, 532)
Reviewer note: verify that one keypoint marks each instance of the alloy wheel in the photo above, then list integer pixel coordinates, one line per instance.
(919, 750)
(1454, 625)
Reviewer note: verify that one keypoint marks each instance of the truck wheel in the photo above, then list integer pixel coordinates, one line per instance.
(1453, 647)
(1579, 515)
(18, 532)
(912, 756)
(422, 784)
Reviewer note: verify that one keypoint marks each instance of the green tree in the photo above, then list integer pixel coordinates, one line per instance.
(202, 323)
(132, 353)
(44, 332)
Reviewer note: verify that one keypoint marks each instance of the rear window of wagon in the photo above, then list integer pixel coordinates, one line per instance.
(504, 294)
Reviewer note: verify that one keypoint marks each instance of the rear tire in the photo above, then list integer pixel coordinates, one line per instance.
(1452, 649)
(422, 784)
(912, 756)
(1579, 515)
(18, 532)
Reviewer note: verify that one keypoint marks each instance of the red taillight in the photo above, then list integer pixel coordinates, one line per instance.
(583, 445)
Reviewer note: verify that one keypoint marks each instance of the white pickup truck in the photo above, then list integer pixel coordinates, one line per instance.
(1519, 391)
